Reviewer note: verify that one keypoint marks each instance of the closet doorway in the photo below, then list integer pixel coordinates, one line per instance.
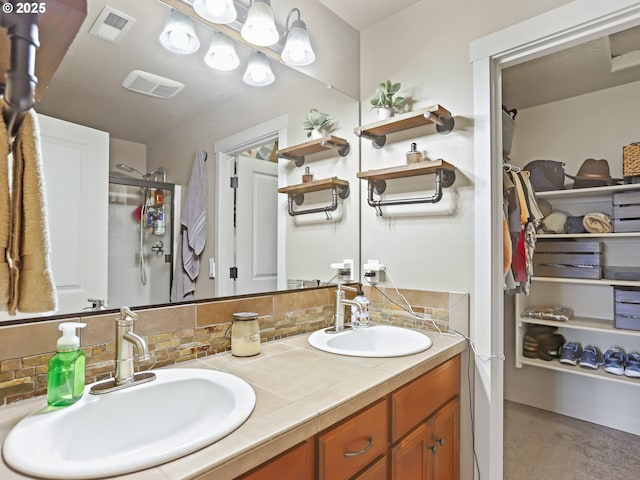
(569, 25)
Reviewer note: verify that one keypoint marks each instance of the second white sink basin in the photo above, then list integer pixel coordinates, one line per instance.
(374, 341)
(138, 427)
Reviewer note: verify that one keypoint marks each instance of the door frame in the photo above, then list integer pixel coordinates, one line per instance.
(224, 150)
(557, 29)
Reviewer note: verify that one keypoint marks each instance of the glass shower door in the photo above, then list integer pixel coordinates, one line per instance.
(140, 242)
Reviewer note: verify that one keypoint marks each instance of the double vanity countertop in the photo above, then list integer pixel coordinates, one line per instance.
(300, 391)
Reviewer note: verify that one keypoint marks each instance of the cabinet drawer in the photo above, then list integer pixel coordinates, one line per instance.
(350, 446)
(295, 464)
(417, 400)
(377, 471)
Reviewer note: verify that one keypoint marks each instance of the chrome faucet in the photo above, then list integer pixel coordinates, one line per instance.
(126, 341)
(341, 302)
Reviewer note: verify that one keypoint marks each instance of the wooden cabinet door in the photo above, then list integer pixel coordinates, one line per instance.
(295, 464)
(446, 437)
(411, 458)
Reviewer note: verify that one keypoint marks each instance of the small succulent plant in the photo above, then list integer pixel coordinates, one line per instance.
(317, 120)
(385, 96)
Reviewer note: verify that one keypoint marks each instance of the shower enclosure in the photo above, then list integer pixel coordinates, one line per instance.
(141, 233)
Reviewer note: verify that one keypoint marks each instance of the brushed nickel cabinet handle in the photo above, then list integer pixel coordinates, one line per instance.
(441, 441)
(360, 452)
(433, 448)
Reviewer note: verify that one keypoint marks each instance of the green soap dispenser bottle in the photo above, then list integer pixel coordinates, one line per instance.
(66, 368)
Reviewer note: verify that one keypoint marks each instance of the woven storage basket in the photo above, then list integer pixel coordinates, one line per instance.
(631, 160)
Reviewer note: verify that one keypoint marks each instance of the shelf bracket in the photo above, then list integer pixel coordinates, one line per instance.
(343, 149)
(377, 141)
(444, 178)
(298, 199)
(444, 123)
(298, 159)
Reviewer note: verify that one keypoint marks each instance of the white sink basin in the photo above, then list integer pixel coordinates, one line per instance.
(374, 341)
(138, 427)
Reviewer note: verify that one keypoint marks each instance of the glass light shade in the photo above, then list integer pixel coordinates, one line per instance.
(216, 11)
(178, 35)
(298, 51)
(260, 27)
(258, 72)
(222, 53)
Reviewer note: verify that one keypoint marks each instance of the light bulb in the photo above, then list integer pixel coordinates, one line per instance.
(179, 39)
(215, 7)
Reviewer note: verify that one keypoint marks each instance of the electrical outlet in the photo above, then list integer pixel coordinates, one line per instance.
(373, 271)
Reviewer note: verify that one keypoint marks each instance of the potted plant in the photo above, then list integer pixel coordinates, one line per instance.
(318, 124)
(384, 100)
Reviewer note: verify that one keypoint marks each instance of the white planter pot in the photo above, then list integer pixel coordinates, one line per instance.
(316, 134)
(385, 112)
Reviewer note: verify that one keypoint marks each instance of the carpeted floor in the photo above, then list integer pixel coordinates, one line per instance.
(542, 445)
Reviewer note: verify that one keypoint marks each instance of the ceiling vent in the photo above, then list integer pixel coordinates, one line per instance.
(152, 85)
(111, 25)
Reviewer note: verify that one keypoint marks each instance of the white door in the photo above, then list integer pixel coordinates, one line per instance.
(256, 225)
(76, 163)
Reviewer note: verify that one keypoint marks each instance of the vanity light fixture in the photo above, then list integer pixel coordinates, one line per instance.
(222, 53)
(216, 11)
(258, 72)
(297, 50)
(260, 27)
(178, 35)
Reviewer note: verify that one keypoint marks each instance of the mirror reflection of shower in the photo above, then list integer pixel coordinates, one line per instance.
(141, 220)
(152, 211)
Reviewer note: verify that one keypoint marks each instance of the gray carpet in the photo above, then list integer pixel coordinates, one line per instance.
(542, 445)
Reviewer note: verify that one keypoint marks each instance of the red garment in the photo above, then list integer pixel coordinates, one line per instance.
(519, 263)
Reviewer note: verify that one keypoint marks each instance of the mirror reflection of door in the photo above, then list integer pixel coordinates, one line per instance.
(255, 220)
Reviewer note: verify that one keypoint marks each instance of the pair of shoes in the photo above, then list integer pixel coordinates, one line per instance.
(591, 357)
(632, 365)
(571, 353)
(615, 360)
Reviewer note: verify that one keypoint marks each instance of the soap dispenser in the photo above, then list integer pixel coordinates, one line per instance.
(360, 319)
(66, 368)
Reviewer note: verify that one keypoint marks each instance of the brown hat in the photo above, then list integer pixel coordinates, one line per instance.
(593, 173)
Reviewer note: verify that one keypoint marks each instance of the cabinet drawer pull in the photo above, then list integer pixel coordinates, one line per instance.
(360, 452)
(441, 441)
(433, 448)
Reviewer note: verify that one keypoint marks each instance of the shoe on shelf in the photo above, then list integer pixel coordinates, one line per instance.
(570, 353)
(591, 357)
(614, 360)
(632, 365)
(549, 347)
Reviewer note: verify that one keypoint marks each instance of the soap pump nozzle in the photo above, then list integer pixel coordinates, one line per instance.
(69, 341)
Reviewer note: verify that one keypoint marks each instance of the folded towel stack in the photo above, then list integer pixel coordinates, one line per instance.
(597, 222)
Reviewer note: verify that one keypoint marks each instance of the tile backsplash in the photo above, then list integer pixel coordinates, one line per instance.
(185, 332)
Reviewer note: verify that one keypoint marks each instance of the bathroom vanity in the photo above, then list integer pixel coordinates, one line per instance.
(324, 416)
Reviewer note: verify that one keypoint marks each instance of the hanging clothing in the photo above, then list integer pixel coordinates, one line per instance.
(31, 280)
(5, 217)
(193, 230)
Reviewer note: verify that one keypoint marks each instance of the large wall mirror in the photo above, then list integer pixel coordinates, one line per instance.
(118, 163)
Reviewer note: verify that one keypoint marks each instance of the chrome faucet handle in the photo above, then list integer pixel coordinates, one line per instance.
(346, 287)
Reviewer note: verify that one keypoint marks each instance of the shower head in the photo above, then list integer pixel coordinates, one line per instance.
(129, 169)
(158, 171)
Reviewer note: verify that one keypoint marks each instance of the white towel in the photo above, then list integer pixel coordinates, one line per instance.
(194, 216)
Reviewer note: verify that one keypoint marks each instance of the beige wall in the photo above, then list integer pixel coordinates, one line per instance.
(123, 151)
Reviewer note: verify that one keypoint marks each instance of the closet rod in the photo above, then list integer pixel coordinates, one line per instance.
(21, 81)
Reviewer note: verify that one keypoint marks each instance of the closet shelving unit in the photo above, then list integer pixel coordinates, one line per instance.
(298, 153)
(584, 296)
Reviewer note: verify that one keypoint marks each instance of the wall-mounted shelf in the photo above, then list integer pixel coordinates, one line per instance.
(377, 181)
(338, 187)
(377, 132)
(297, 153)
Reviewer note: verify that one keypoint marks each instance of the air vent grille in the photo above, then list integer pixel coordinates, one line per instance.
(150, 84)
(111, 25)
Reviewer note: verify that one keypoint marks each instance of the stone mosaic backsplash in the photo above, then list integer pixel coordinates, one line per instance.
(185, 332)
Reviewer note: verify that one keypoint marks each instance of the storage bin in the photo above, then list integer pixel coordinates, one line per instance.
(626, 308)
(631, 160)
(568, 259)
(626, 211)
